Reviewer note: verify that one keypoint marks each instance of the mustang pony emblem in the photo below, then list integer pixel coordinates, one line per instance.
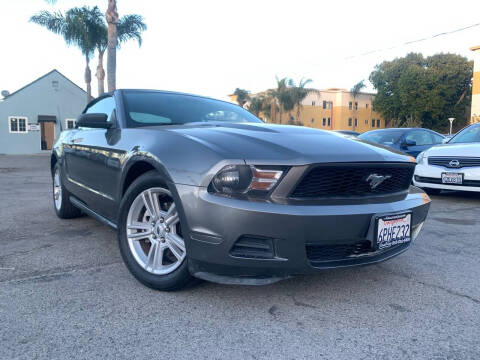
(374, 180)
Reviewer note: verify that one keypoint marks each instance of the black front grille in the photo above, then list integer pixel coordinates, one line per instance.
(249, 246)
(454, 162)
(346, 180)
(430, 180)
(318, 253)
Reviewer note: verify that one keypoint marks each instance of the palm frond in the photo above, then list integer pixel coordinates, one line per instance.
(357, 88)
(131, 27)
(53, 21)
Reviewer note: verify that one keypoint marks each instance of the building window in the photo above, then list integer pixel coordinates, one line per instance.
(324, 104)
(313, 120)
(324, 121)
(350, 105)
(356, 122)
(70, 123)
(366, 106)
(366, 121)
(18, 124)
(373, 122)
(329, 105)
(349, 121)
(328, 121)
(356, 105)
(378, 122)
(313, 103)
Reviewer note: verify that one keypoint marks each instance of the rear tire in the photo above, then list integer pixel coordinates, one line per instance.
(431, 191)
(150, 236)
(61, 197)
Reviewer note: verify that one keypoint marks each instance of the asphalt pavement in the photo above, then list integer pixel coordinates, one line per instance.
(65, 293)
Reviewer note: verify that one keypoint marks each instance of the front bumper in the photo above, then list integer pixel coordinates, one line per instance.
(430, 176)
(216, 223)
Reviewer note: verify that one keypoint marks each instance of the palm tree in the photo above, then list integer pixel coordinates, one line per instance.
(299, 93)
(74, 27)
(355, 91)
(257, 105)
(281, 97)
(242, 96)
(128, 27)
(112, 38)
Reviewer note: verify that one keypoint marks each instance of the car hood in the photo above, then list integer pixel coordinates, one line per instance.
(268, 143)
(466, 149)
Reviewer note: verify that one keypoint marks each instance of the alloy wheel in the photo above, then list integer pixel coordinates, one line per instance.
(153, 232)
(57, 189)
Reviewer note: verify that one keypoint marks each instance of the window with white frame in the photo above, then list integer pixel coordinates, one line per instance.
(18, 124)
(70, 123)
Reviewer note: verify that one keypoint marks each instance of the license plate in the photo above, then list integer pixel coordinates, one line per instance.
(452, 178)
(393, 230)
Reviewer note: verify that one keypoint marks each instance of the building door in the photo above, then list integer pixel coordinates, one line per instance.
(47, 131)
(47, 134)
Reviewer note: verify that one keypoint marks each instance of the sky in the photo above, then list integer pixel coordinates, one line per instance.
(210, 47)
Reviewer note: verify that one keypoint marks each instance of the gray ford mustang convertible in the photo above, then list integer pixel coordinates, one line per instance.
(200, 188)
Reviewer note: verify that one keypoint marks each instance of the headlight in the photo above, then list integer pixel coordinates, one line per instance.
(242, 179)
(421, 159)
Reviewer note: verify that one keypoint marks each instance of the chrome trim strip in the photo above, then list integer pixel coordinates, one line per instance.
(90, 189)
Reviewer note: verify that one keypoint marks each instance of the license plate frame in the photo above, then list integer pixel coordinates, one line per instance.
(384, 241)
(446, 175)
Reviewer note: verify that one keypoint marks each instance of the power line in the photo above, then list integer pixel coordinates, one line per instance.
(413, 41)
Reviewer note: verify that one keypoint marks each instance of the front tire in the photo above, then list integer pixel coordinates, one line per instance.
(61, 197)
(150, 235)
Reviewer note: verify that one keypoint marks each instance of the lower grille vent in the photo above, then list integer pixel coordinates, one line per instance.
(249, 246)
(338, 252)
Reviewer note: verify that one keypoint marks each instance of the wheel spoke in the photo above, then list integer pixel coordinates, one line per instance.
(139, 235)
(174, 251)
(147, 200)
(177, 241)
(155, 256)
(171, 210)
(156, 206)
(171, 220)
(140, 226)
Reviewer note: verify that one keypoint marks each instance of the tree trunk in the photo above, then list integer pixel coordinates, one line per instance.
(280, 113)
(112, 20)
(88, 78)
(100, 74)
(298, 113)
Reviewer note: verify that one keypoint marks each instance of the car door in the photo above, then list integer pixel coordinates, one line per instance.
(416, 141)
(93, 162)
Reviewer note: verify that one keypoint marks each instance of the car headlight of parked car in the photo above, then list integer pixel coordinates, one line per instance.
(244, 179)
(421, 158)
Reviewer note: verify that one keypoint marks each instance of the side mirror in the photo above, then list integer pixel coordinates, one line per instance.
(407, 143)
(94, 120)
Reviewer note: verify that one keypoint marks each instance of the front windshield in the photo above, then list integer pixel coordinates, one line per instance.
(385, 137)
(467, 135)
(148, 108)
